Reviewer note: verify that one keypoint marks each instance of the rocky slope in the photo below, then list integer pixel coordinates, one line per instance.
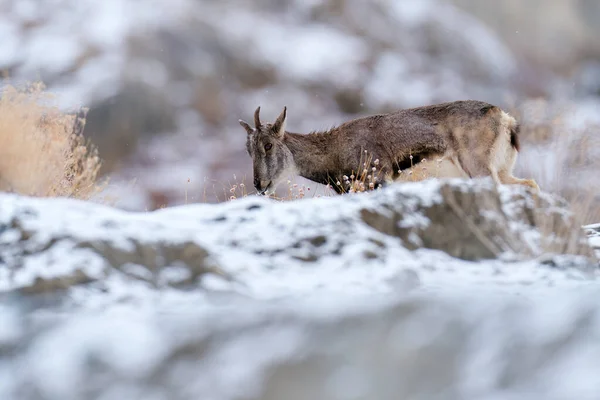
(570, 24)
(166, 83)
(447, 289)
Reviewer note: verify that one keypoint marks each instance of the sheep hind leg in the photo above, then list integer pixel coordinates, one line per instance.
(509, 179)
(506, 164)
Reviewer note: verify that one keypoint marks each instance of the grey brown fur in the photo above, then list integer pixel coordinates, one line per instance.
(476, 138)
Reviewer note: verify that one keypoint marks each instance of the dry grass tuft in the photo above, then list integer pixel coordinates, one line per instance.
(367, 176)
(240, 189)
(42, 149)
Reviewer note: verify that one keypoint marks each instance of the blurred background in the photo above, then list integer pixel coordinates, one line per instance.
(167, 81)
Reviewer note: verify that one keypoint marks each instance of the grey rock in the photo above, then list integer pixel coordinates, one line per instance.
(478, 223)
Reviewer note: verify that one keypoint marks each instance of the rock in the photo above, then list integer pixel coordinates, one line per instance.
(57, 244)
(42, 261)
(155, 257)
(478, 222)
(64, 281)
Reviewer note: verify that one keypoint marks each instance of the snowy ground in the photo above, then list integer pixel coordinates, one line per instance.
(296, 300)
(251, 246)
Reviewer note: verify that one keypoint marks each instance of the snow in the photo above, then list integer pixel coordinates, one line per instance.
(10, 326)
(273, 235)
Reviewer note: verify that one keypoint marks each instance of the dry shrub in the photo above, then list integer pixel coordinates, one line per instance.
(369, 174)
(42, 149)
(366, 177)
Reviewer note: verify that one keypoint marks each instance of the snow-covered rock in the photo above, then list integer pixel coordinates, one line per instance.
(51, 244)
(421, 290)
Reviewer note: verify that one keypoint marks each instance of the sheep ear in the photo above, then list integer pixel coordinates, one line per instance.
(257, 123)
(247, 127)
(279, 124)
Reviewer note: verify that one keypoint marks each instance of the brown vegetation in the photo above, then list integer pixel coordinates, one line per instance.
(42, 149)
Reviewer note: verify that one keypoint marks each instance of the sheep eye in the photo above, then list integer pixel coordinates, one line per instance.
(268, 146)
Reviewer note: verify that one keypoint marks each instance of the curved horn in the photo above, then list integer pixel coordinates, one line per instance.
(257, 123)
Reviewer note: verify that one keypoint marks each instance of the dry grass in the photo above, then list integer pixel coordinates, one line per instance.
(366, 178)
(563, 161)
(221, 191)
(239, 189)
(568, 237)
(42, 149)
(369, 176)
